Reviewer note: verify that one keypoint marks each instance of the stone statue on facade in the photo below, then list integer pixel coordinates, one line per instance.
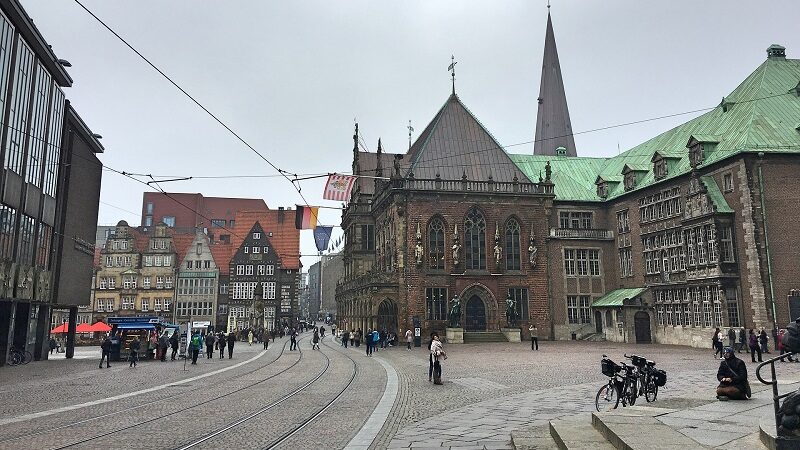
(511, 312)
(419, 251)
(532, 249)
(456, 245)
(498, 249)
(547, 171)
(455, 313)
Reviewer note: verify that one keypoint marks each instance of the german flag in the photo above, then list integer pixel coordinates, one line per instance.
(306, 217)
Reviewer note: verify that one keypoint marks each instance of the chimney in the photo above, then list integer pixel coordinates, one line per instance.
(776, 51)
(281, 214)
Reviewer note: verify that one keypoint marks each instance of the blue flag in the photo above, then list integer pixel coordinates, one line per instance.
(322, 235)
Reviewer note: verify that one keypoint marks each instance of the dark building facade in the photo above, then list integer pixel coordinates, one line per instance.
(262, 292)
(40, 134)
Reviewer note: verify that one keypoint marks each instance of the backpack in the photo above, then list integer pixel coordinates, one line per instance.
(791, 339)
(196, 341)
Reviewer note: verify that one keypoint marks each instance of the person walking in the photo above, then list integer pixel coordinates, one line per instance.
(231, 342)
(369, 343)
(781, 347)
(134, 351)
(292, 339)
(742, 339)
(345, 338)
(163, 345)
(315, 341)
(321, 332)
(195, 345)
(752, 340)
(763, 339)
(438, 354)
(376, 339)
(265, 339)
(105, 347)
(221, 343)
(716, 342)
(731, 338)
(430, 357)
(358, 338)
(250, 337)
(210, 340)
(409, 336)
(173, 342)
(352, 337)
(534, 337)
(52, 344)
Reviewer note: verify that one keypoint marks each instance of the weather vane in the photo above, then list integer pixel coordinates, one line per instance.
(452, 69)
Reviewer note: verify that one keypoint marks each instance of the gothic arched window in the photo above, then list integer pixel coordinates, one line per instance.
(513, 253)
(475, 240)
(436, 244)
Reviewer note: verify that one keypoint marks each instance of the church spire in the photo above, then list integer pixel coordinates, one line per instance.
(553, 127)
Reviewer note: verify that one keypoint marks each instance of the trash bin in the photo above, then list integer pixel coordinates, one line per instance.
(574, 336)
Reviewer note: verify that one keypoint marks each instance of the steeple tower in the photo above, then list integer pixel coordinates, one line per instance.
(553, 127)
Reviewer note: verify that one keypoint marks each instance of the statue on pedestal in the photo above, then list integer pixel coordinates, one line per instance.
(498, 249)
(532, 250)
(511, 312)
(456, 245)
(455, 313)
(419, 251)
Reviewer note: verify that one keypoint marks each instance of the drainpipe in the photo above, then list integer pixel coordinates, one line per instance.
(766, 239)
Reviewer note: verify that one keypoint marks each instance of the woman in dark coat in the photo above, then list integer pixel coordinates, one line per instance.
(231, 342)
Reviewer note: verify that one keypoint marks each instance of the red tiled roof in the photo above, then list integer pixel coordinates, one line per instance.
(285, 237)
(222, 254)
(181, 243)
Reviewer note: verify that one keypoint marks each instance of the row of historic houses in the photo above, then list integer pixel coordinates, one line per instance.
(156, 271)
(665, 242)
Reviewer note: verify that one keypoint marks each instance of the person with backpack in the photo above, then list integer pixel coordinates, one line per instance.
(163, 345)
(173, 342)
(376, 339)
(210, 340)
(752, 341)
(105, 347)
(221, 343)
(231, 342)
(133, 356)
(195, 344)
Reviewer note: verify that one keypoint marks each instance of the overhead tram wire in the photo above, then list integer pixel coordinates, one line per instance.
(196, 102)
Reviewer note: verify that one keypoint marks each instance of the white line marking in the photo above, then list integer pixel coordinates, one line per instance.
(62, 409)
(370, 430)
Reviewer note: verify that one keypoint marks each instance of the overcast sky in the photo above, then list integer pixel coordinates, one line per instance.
(291, 76)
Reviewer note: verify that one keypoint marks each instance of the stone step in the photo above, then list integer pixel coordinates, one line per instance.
(636, 428)
(576, 433)
(533, 438)
(484, 336)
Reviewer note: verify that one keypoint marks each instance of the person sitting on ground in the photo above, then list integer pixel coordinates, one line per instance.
(732, 376)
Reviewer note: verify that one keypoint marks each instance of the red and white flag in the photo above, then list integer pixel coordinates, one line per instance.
(338, 187)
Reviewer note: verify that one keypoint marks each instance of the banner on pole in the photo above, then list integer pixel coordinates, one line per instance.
(338, 187)
(306, 217)
(322, 235)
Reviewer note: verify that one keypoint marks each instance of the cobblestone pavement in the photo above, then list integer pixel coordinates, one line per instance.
(493, 389)
(490, 390)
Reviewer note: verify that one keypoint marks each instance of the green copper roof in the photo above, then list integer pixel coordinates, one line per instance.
(716, 195)
(760, 115)
(616, 298)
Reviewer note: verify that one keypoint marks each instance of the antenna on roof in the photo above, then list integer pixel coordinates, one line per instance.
(548, 4)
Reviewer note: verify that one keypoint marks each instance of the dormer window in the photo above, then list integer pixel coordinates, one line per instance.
(696, 154)
(602, 189)
(561, 151)
(630, 180)
(660, 168)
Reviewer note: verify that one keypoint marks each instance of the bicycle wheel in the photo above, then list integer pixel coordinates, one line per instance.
(651, 392)
(14, 359)
(607, 398)
(26, 357)
(631, 392)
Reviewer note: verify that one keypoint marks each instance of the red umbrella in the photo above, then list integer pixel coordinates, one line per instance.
(84, 328)
(100, 327)
(60, 329)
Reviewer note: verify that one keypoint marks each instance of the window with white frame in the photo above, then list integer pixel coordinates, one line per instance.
(129, 282)
(160, 282)
(167, 303)
(569, 262)
(154, 244)
(270, 269)
(103, 283)
(112, 283)
(189, 264)
(248, 269)
(247, 249)
(128, 302)
(156, 304)
(269, 290)
(256, 235)
(100, 304)
(578, 308)
(146, 282)
(726, 245)
(260, 270)
(162, 245)
(128, 261)
(159, 260)
(145, 304)
(109, 261)
(240, 269)
(148, 261)
(168, 282)
(256, 250)
(110, 305)
(266, 250)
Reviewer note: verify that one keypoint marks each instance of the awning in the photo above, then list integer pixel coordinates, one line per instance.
(617, 297)
(83, 328)
(100, 327)
(60, 329)
(136, 326)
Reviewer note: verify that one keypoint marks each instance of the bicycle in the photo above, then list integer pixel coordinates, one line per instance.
(609, 395)
(647, 382)
(17, 357)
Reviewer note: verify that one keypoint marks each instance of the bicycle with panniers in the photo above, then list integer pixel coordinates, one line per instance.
(649, 378)
(627, 382)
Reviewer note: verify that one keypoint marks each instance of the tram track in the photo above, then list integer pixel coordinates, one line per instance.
(295, 429)
(162, 416)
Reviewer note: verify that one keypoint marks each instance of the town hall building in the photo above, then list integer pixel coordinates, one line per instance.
(681, 234)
